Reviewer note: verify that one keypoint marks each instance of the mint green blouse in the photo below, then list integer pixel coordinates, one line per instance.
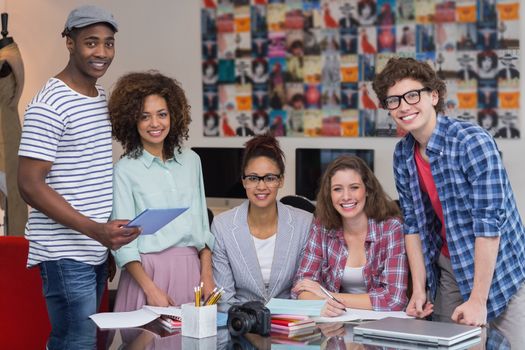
(148, 182)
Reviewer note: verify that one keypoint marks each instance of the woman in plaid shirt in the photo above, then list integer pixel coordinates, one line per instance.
(356, 247)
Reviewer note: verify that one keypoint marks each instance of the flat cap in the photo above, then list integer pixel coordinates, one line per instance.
(86, 15)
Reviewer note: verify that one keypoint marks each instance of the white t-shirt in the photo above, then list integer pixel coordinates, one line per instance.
(353, 280)
(73, 132)
(264, 249)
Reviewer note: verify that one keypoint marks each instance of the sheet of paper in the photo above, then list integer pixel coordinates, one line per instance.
(361, 315)
(295, 307)
(143, 316)
(128, 319)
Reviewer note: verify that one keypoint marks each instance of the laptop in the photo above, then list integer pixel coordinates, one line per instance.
(417, 331)
(403, 345)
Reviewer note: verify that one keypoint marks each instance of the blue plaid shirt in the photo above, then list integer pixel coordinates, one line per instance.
(477, 201)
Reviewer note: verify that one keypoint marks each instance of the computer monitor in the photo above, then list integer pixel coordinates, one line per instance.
(310, 164)
(221, 171)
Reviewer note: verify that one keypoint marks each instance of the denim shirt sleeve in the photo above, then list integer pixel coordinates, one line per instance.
(484, 170)
(402, 180)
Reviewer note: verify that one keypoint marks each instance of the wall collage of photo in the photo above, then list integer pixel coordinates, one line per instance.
(304, 67)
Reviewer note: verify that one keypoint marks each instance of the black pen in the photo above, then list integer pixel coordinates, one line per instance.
(328, 294)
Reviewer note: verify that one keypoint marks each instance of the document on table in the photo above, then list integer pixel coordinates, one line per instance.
(128, 319)
(295, 307)
(143, 316)
(361, 315)
(135, 318)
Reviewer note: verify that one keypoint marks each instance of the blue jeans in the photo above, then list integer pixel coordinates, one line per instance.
(73, 291)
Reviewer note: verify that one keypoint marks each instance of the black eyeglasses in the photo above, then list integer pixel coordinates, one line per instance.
(411, 97)
(270, 180)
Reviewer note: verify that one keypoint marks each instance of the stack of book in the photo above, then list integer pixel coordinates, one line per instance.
(294, 329)
(170, 322)
(292, 324)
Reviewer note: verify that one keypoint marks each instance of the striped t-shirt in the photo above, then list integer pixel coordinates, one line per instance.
(73, 132)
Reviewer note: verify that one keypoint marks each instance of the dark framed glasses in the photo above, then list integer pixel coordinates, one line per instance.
(411, 97)
(270, 180)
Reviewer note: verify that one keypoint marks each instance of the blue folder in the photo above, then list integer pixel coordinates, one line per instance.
(152, 220)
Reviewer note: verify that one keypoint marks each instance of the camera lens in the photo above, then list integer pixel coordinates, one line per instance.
(240, 324)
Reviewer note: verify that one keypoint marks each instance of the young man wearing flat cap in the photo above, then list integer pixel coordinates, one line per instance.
(65, 175)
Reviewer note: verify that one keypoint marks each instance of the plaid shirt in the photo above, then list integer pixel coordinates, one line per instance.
(385, 271)
(496, 340)
(477, 201)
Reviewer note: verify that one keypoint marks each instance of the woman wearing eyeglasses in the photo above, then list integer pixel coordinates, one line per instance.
(258, 244)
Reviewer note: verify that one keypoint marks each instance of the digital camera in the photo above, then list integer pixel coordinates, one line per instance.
(250, 317)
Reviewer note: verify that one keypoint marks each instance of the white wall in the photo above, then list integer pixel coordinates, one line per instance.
(165, 35)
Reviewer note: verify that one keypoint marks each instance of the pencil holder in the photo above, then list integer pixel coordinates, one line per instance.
(199, 321)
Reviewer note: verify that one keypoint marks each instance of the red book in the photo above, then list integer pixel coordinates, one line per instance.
(285, 329)
(170, 322)
(290, 320)
(283, 322)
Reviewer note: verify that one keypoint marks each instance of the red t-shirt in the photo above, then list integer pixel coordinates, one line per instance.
(427, 184)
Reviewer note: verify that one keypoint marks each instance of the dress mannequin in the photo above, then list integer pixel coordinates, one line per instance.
(11, 84)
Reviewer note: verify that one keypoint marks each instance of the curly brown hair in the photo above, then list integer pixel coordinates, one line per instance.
(127, 102)
(263, 146)
(379, 206)
(399, 68)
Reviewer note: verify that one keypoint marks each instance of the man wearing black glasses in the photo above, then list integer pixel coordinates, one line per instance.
(464, 237)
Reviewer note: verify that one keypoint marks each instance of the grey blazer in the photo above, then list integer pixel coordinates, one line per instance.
(235, 264)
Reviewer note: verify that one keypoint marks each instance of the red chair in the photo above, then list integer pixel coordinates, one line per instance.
(24, 323)
(23, 315)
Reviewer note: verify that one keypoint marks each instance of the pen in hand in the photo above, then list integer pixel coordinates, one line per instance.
(328, 294)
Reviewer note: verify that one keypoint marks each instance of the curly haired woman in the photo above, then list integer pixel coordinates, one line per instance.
(150, 117)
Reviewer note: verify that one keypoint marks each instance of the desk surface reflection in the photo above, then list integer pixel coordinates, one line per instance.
(332, 336)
